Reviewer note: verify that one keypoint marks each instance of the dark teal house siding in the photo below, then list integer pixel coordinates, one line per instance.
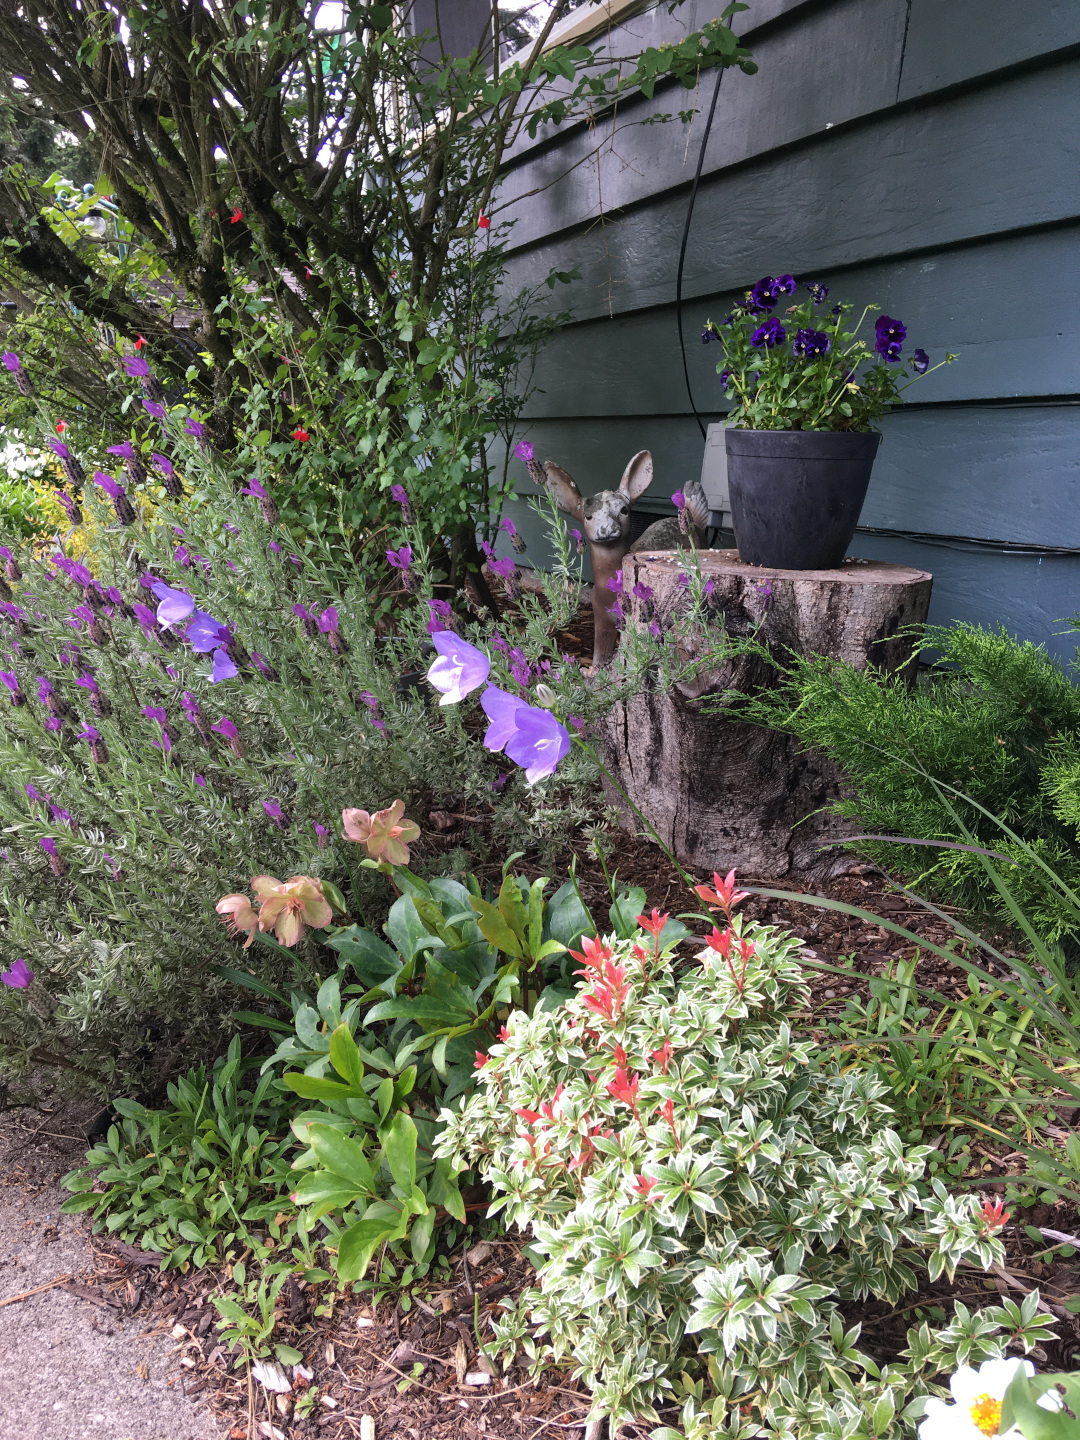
(923, 154)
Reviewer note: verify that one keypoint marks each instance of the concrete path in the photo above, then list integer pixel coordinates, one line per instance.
(69, 1369)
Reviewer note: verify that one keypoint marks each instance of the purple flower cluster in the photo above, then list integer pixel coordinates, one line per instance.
(889, 338)
(811, 343)
(769, 291)
(770, 334)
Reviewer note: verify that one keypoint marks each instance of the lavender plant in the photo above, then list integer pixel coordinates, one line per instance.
(810, 369)
(702, 1194)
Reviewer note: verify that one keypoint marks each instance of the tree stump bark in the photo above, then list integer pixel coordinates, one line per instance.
(723, 793)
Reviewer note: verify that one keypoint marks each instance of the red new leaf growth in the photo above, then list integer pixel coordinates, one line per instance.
(608, 995)
(643, 1186)
(668, 1112)
(662, 1057)
(723, 896)
(481, 1060)
(625, 1088)
(994, 1216)
(724, 943)
(592, 955)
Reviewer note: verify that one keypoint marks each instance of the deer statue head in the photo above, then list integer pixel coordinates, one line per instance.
(605, 519)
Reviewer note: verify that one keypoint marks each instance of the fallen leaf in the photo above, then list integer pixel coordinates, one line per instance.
(271, 1375)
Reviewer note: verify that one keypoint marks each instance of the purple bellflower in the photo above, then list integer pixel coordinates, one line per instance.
(460, 668)
(530, 736)
(174, 606)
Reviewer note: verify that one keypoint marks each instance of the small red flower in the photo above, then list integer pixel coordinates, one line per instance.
(61, 426)
(485, 222)
(237, 216)
(301, 434)
(994, 1216)
(139, 342)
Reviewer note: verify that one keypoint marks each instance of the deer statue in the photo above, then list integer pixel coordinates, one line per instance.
(605, 519)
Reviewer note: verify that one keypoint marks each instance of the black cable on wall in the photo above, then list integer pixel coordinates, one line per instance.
(682, 247)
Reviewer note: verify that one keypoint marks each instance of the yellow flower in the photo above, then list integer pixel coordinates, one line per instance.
(385, 835)
(287, 907)
(237, 914)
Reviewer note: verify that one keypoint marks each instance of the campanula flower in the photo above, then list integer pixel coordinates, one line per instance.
(538, 744)
(460, 668)
(386, 835)
(223, 668)
(174, 606)
(19, 977)
(501, 708)
(205, 633)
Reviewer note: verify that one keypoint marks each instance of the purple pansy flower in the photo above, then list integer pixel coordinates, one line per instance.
(460, 668)
(770, 334)
(890, 335)
(920, 362)
(811, 343)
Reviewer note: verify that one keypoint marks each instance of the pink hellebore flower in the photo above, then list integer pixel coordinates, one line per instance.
(386, 835)
(236, 912)
(287, 908)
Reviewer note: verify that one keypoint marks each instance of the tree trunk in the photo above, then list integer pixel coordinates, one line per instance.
(723, 793)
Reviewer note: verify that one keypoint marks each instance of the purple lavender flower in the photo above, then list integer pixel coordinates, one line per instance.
(182, 556)
(147, 619)
(322, 835)
(642, 591)
(498, 643)
(59, 449)
(311, 623)
(56, 862)
(515, 539)
(98, 751)
(524, 450)
(11, 360)
(19, 977)
(154, 409)
(125, 450)
(195, 428)
(200, 780)
(654, 629)
(226, 728)
(442, 616)
(11, 680)
(400, 559)
(15, 615)
(74, 513)
(269, 509)
(275, 547)
(263, 666)
(615, 583)
(11, 566)
(276, 814)
(401, 495)
(579, 541)
(920, 362)
(297, 561)
(231, 529)
(811, 343)
(14, 364)
(116, 492)
(54, 723)
(328, 624)
(135, 365)
(508, 573)
(375, 714)
(678, 499)
(34, 793)
(770, 334)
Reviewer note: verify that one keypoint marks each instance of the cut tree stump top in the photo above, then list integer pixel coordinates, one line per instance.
(856, 613)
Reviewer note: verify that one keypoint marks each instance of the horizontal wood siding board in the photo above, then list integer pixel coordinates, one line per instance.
(974, 299)
(907, 183)
(993, 472)
(950, 43)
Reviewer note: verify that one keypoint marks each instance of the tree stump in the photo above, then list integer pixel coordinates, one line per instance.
(721, 792)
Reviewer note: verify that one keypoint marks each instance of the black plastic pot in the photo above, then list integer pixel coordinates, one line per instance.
(796, 495)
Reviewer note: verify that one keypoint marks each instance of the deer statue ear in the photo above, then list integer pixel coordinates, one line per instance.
(567, 496)
(637, 477)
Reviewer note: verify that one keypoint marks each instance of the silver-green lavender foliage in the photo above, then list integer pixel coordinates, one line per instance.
(705, 1194)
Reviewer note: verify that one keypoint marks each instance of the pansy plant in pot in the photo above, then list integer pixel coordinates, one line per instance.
(808, 390)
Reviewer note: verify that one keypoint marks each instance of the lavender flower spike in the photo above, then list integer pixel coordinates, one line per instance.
(460, 668)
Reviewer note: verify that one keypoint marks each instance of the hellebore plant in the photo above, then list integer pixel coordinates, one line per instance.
(807, 368)
(284, 907)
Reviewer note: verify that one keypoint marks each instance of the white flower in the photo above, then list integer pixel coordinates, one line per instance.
(978, 1395)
